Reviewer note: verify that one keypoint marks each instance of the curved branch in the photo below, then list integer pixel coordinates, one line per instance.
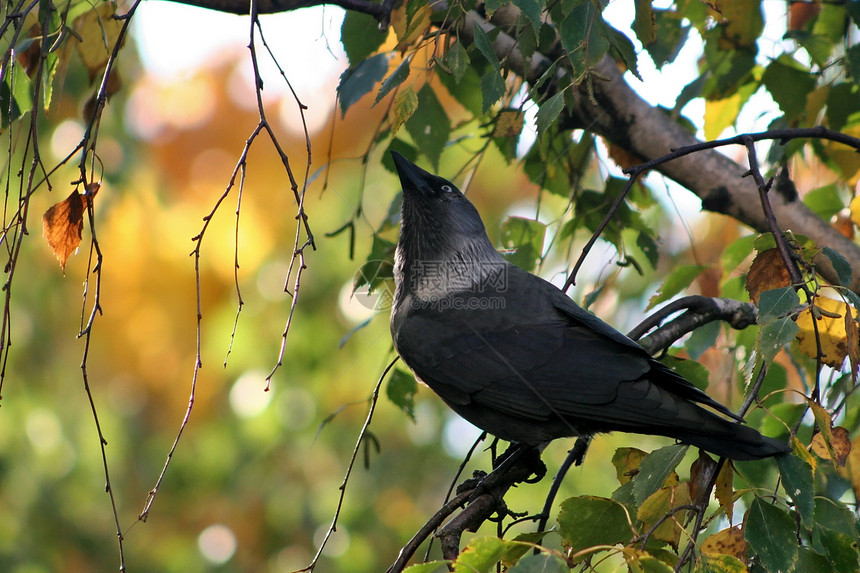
(700, 310)
(241, 7)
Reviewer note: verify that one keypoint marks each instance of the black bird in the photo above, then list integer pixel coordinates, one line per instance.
(515, 356)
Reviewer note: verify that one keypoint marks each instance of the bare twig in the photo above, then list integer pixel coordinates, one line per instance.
(361, 436)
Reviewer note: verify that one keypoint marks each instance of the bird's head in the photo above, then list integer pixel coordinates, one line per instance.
(434, 210)
(439, 228)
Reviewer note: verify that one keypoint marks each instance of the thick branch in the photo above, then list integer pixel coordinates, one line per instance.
(241, 7)
(630, 122)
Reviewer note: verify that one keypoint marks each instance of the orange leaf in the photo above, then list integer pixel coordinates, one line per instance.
(62, 223)
(767, 272)
(840, 446)
(724, 490)
(727, 542)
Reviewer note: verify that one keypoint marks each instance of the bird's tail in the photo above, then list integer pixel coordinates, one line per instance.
(732, 440)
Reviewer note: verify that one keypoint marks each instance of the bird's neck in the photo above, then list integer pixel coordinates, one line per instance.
(430, 269)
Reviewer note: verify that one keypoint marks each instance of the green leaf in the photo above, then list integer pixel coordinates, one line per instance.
(677, 280)
(492, 88)
(644, 22)
(549, 112)
(843, 102)
(654, 469)
(703, 338)
(401, 147)
(840, 265)
(524, 238)
(360, 80)
(429, 126)
(776, 303)
(481, 555)
(401, 391)
(540, 563)
(717, 563)
(789, 84)
(466, 90)
(395, 79)
(726, 70)
(835, 516)
(853, 63)
(694, 372)
(774, 335)
(808, 561)
(360, 36)
(841, 550)
(649, 248)
(623, 49)
(485, 46)
(797, 481)
(531, 9)
(587, 521)
(735, 253)
(457, 60)
(582, 37)
(770, 533)
(16, 98)
(428, 567)
(824, 201)
(670, 37)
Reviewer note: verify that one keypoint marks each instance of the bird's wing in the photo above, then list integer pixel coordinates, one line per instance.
(548, 356)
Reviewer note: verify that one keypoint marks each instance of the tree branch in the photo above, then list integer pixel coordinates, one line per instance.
(241, 7)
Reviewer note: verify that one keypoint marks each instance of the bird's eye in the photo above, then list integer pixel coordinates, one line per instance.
(447, 188)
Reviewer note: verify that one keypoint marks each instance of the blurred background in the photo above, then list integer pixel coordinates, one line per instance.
(254, 481)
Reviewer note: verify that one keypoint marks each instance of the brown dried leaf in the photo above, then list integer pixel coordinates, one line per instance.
(843, 223)
(510, 123)
(852, 340)
(724, 490)
(767, 272)
(624, 158)
(62, 223)
(837, 450)
(700, 477)
(729, 541)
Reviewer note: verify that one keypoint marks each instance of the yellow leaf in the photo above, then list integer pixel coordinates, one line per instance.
(98, 31)
(831, 331)
(405, 104)
(837, 450)
(854, 207)
(853, 466)
(721, 114)
(408, 32)
(729, 541)
(626, 462)
(724, 490)
(659, 505)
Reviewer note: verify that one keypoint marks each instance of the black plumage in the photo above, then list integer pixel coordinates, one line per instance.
(515, 356)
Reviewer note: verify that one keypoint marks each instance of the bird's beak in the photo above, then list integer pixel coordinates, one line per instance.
(412, 177)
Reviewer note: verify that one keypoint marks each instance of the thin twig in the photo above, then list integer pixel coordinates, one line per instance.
(361, 436)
